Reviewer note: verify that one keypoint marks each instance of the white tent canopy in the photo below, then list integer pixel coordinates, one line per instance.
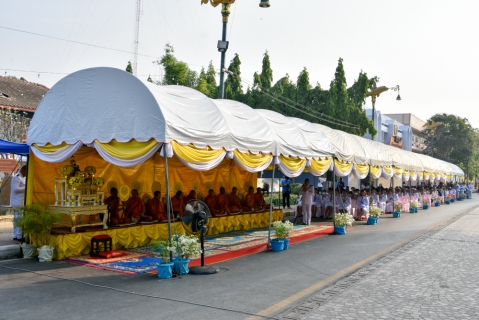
(107, 104)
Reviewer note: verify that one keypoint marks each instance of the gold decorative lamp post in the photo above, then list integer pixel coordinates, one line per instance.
(376, 91)
(223, 44)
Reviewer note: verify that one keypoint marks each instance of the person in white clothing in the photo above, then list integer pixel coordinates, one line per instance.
(363, 206)
(345, 202)
(17, 195)
(307, 200)
(316, 205)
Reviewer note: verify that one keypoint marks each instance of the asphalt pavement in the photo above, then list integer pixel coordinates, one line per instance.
(328, 277)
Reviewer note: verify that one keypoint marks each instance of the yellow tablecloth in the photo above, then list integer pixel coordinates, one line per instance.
(76, 244)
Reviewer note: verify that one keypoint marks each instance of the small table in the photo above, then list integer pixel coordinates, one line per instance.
(75, 211)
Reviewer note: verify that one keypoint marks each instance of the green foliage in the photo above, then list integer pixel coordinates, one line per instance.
(177, 72)
(129, 68)
(37, 223)
(233, 86)
(278, 199)
(296, 188)
(458, 146)
(149, 79)
(161, 248)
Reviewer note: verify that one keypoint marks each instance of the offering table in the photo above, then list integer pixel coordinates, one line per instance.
(80, 211)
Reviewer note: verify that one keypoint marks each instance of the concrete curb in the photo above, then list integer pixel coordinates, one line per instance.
(9, 251)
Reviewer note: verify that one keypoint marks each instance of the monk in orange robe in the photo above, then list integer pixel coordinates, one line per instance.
(156, 208)
(222, 204)
(259, 202)
(135, 208)
(249, 199)
(210, 201)
(191, 196)
(235, 202)
(177, 202)
(114, 207)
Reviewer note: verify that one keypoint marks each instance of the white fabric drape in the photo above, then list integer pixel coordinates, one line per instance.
(59, 155)
(413, 177)
(204, 166)
(379, 174)
(123, 162)
(386, 175)
(289, 173)
(397, 176)
(249, 169)
(341, 174)
(359, 175)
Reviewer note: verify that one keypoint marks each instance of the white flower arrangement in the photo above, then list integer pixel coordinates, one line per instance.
(414, 205)
(374, 212)
(425, 202)
(397, 206)
(282, 230)
(186, 246)
(343, 219)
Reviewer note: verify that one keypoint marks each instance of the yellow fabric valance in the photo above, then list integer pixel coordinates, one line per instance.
(320, 165)
(362, 168)
(192, 154)
(406, 173)
(421, 174)
(375, 170)
(49, 148)
(388, 169)
(398, 171)
(293, 164)
(252, 160)
(426, 175)
(343, 166)
(127, 150)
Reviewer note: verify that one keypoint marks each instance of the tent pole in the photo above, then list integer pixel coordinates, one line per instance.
(334, 193)
(270, 209)
(167, 198)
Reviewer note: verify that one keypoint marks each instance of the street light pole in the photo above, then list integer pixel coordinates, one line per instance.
(375, 92)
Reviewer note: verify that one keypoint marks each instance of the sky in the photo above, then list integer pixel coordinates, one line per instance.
(429, 48)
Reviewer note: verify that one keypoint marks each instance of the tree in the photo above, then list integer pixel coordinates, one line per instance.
(203, 84)
(454, 141)
(177, 72)
(339, 105)
(211, 80)
(233, 86)
(149, 79)
(129, 68)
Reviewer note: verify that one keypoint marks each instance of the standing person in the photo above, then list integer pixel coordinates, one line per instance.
(17, 196)
(286, 185)
(321, 180)
(307, 199)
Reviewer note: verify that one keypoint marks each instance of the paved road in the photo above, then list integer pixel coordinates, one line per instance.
(270, 284)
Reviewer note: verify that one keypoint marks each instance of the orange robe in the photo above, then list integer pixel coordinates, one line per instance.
(177, 204)
(135, 208)
(235, 204)
(188, 198)
(113, 204)
(259, 202)
(249, 200)
(157, 209)
(222, 204)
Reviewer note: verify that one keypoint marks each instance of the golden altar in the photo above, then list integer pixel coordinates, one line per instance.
(78, 214)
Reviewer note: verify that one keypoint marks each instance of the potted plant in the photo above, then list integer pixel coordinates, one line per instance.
(374, 213)
(437, 201)
(186, 247)
(162, 249)
(448, 199)
(341, 220)
(461, 196)
(397, 210)
(425, 205)
(277, 244)
(37, 223)
(283, 230)
(414, 205)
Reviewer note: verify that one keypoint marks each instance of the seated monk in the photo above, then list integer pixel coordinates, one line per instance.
(156, 208)
(210, 201)
(249, 199)
(177, 202)
(222, 204)
(191, 196)
(135, 208)
(114, 207)
(259, 202)
(235, 202)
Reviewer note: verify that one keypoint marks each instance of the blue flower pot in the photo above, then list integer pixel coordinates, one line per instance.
(184, 265)
(459, 199)
(286, 244)
(437, 204)
(165, 270)
(425, 207)
(448, 202)
(277, 245)
(453, 200)
(398, 214)
(372, 221)
(340, 229)
(411, 210)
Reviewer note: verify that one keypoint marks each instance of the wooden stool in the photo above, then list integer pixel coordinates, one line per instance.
(95, 244)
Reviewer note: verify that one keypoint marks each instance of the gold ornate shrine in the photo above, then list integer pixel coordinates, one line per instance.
(78, 194)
